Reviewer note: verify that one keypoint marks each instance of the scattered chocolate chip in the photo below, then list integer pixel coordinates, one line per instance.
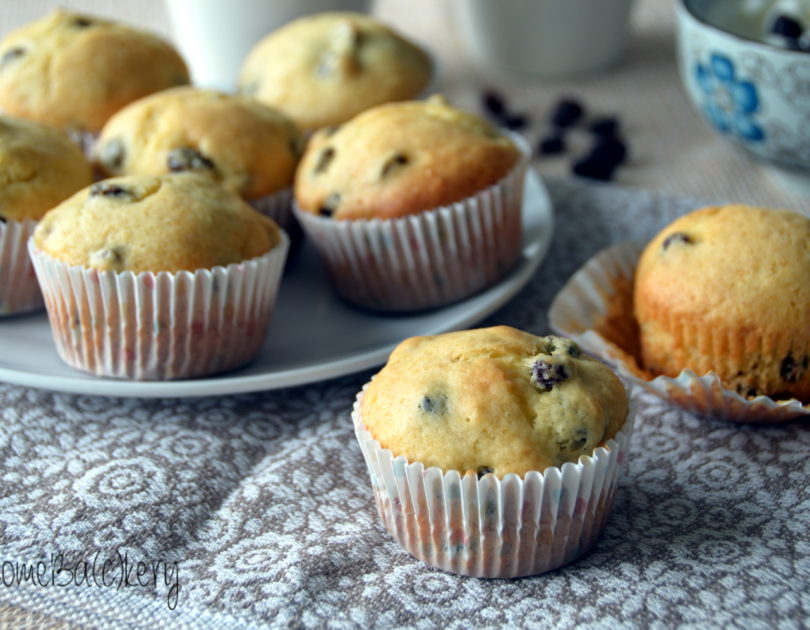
(574, 351)
(677, 237)
(108, 189)
(324, 160)
(593, 168)
(787, 27)
(111, 153)
(494, 104)
(82, 22)
(791, 370)
(483, 470)
(606, 126)
(545, 374)
(329, 205)
(393, 163)
(188, 159)
(610, 150)
(567, 112)
(515, 122)
(11, 54)
(552, 145)
(435, 404)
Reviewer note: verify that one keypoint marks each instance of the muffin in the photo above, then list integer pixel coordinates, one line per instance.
(493, 452)
(74, 71)
(412, 205)
(726, 290)
(324, 69)
(158, 277)
(39, 167)
(243, 144)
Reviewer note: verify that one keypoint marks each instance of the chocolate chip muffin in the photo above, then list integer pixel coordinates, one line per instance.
(493, 452)
(324, 69)
(726, 289)
(74, 71)
(496, 400)
(412, 205)
(39, 167)
(158, 277)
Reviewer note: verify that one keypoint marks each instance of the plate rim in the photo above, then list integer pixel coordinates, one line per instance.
(533, 253)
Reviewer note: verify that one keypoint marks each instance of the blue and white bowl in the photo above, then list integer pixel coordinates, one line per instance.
(755, 94)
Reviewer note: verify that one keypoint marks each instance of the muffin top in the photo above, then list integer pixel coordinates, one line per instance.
(493, 400)
(74, 71)
(732, 265)
(399, 159)
(39, 167)
(325, 68)
(155, 223)
(240, 142)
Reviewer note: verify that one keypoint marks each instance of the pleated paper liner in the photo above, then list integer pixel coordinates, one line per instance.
(426, 260)
(19, 290)
(160, 326)
(278, 206)
(595, 308)
(492, 527)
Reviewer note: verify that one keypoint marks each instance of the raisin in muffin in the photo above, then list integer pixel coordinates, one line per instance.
(74, 71)
(436, 193)
(325, 68)
(490, 422)
(726, 289)
(243, 144)
(156, 277)
(39, 167)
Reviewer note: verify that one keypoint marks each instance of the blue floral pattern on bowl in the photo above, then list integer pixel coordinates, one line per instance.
(730, 102)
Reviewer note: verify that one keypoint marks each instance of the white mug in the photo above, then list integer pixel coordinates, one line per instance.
(215, 36)
(544, 38)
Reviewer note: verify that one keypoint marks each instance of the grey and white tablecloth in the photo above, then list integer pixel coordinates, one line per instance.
(255, 511)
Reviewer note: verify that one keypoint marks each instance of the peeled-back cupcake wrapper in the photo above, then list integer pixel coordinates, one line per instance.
(159, 326)
(429, 259)
(492, 527)
(19, 291)
(580, 310)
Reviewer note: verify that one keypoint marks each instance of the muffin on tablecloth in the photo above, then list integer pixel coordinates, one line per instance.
(39, 167)
(243, 144)
(493, 452)
(324, 69)
(412, 205)
(74, 71)
(727, 289)
(158, 277)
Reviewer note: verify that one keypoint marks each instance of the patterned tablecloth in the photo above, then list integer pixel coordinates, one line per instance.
(255, 510)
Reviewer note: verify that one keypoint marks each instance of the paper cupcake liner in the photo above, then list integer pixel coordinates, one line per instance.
(492, 527)
(278, 206)
(160, 326)
(429, 259)
(19, 291)
(595, 308)
(86, 141)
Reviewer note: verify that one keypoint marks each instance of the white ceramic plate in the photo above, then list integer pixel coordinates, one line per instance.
(313, 335)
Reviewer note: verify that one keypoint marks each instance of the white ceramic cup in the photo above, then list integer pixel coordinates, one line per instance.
(544, 38)
(215, 36)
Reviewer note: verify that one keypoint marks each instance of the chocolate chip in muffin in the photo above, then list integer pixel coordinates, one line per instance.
(82, 22)
(545, 375)
(577, 443)
(792, 370)
(109, 189)
(483, 470)
(108, 257)
(574, 351)
(12, 53)
(329, 205)
(434, 404)
(677, 237)
(324, 160)
(111, 153)
(188, 159)
(394, 162)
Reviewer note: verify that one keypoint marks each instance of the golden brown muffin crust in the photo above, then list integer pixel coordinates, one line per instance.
(74, 71)
(240, 142)
(493, 400)
(155, 223)
(400, 159)
(39, 167)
